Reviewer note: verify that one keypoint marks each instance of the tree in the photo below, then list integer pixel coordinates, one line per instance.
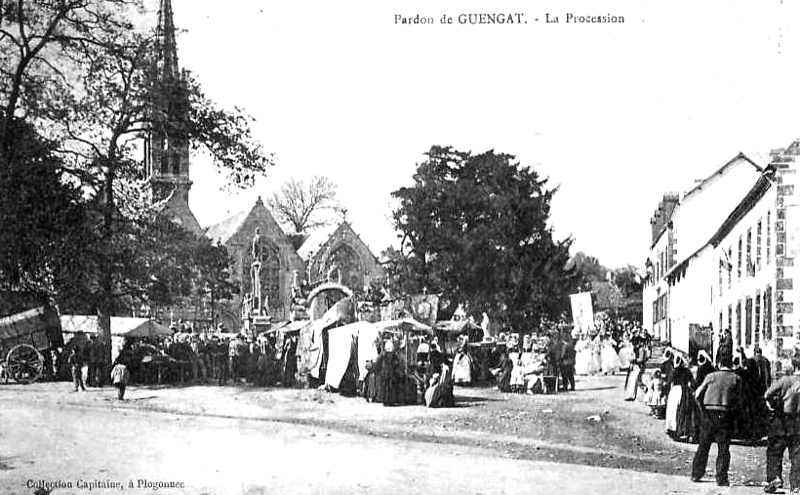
(80, 71)
(305, 206)
(619, 289)
(43, 220)
(589, 268)
(474, 228)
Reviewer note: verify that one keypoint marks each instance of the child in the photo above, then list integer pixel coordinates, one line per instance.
(120, 377)
(518, 377)
(655, 395)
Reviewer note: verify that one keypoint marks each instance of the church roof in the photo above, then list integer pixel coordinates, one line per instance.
(315, 241)
(224, 230)
(323, 236)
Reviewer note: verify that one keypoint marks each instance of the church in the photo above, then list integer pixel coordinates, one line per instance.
(337, 254)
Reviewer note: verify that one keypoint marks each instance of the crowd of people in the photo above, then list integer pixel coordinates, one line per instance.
(731, 396)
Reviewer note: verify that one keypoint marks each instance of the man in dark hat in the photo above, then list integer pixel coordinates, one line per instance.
(567, 366)
(75, 364)
(720, 397)
(763, 369)
(725, 349)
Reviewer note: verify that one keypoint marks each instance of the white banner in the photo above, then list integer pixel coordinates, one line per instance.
(582, 313)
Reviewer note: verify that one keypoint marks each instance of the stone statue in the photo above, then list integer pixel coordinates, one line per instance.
(257, 250)
(256, 271)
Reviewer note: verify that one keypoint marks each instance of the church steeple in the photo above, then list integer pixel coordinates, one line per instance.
(166, 147)
(165, 42)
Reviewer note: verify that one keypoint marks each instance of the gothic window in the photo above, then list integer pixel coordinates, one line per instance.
(163, 156)
(176, 163)
(343, 265)
(269, 272)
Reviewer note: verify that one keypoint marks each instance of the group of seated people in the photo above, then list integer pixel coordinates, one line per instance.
(391, 382)
(523, 369)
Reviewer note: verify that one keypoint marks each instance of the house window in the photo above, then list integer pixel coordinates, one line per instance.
(730, 269)
(730, 318)
(769, 240)
(758, 245)
(749, 259)
(739, 260)
(655, 311)
(720, 322)
(748, 321)
(768, 313)
(720, 277)
(757, 336)
(739, 322)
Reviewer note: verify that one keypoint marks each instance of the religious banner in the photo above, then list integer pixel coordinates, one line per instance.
(582, 313)
(425, 309)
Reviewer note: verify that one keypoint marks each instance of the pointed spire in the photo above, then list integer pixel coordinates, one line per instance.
(166, 46)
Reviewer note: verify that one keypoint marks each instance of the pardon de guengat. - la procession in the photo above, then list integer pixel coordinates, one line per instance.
(481, 324)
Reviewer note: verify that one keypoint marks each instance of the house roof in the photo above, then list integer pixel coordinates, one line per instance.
(700, 185)
(747, 203)
(758, 190)
(722, 169)
(120, 326)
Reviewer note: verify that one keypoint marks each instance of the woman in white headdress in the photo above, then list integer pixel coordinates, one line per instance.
(680, 422)
(608, 356)
(583, 355)
(596, 357)
(625, 354)
(704, 367)
(462, 364)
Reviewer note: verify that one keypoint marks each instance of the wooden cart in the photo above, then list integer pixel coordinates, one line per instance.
(26, 340)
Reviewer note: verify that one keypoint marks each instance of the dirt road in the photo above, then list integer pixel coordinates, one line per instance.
(247, 441)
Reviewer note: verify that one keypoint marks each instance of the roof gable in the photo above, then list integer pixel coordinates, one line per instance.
(740, 158)
(343, 233)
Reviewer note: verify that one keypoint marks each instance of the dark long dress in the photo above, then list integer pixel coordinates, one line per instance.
(703, 371)
(686, 424)
(371, 381)
(289, 362)
(753, 421)
(666, 368)
(390, 390)
(504, 376)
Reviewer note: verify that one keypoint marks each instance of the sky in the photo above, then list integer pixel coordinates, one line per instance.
(613, 114)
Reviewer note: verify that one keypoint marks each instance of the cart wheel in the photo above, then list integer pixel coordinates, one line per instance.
(24, 364)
